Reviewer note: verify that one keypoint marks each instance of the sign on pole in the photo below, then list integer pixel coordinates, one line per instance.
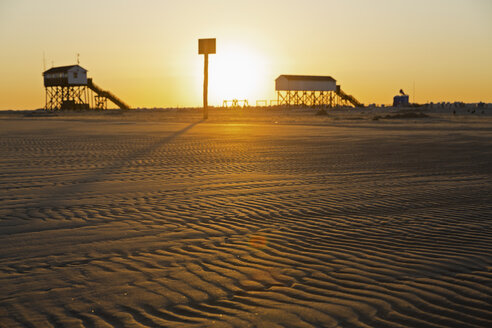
(206, 47)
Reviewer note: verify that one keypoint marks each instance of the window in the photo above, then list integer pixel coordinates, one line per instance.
(74, 75)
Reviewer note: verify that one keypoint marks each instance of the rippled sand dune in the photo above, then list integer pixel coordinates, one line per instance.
(320, 223)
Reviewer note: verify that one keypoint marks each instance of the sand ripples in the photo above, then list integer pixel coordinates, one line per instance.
(208, 225)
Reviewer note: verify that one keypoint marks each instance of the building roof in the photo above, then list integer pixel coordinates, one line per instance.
(308, 78)
(61, 69)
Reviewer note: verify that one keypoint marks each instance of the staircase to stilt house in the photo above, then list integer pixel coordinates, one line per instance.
(349, 98)
(107, 94)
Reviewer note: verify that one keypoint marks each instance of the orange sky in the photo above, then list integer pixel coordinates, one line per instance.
(146, 51)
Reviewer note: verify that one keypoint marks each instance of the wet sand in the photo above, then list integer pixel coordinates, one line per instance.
(271, 219)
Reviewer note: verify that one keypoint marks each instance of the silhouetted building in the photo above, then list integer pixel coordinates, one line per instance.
(305, 83)
(65, 75)
(308, 90)
(400, 101)
(67, 87)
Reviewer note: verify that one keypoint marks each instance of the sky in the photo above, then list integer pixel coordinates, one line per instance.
(146, 52)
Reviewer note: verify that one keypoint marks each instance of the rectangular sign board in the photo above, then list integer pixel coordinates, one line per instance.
(206, 46)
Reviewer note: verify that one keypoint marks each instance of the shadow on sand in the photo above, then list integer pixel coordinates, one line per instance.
(55, 197)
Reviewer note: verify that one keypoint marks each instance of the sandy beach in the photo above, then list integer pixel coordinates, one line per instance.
(250, 219)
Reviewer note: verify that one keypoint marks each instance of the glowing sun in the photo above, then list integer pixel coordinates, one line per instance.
(236, 73)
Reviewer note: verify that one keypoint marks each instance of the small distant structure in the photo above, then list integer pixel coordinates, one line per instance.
(68, 87)
(235, 103)
(401, 100)
(306, 90)
(261, 103)
(65, 75)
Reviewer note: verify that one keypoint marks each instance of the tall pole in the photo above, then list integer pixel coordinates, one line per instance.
(206, 47)
(205, 88)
